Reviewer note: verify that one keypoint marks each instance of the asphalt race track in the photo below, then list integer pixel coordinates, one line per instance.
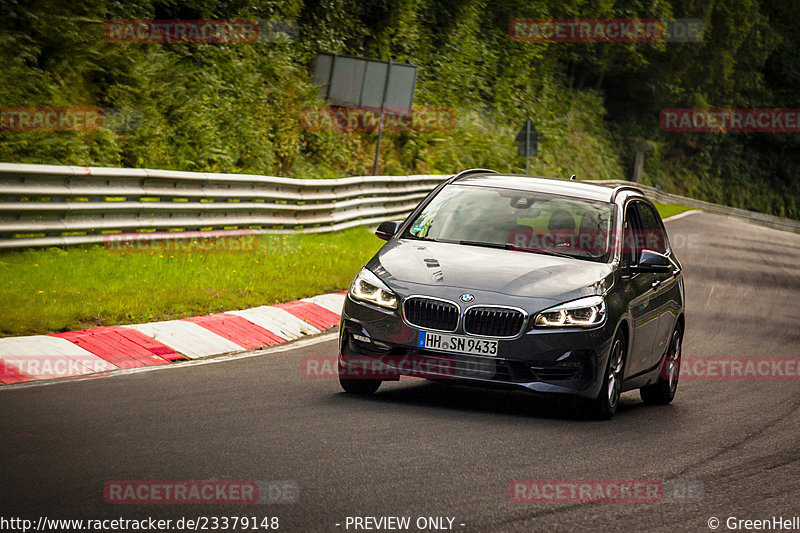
(423, 449)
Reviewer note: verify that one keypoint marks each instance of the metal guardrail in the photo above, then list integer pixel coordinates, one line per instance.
(44, 205)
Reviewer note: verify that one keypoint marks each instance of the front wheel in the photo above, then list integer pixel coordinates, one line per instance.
(360, 386)
(605, 405)
(663, 390)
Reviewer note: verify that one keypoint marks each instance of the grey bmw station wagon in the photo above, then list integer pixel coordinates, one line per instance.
(544, 285)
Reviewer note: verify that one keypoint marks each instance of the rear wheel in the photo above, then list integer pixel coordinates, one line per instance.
(663, 391)
(605, 405)
(364, 387)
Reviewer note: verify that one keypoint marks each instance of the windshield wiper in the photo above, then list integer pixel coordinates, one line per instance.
(509, 246)
(546, 251)
(516, 248)
(485, 244)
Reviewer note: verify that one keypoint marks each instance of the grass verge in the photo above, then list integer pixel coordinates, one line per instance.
(668, 210)
(55, 289)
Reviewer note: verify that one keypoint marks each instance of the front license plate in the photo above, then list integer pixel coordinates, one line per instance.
(457, 343)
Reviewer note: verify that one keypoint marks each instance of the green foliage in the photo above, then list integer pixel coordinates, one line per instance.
(239, 107)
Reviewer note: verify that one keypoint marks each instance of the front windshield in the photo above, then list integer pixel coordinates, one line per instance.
(525, 221)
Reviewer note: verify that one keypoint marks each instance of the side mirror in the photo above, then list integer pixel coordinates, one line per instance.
(653, 262)
(387, 229)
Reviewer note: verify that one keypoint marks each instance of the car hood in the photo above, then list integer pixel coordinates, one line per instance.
(405, 263)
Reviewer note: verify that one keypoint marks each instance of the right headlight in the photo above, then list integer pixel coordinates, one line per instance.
(586, 312)
(367, 287)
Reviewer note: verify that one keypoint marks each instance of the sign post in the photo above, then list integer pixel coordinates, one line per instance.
(528, 139)
(380, 123)
(366, 84)
(638, 164)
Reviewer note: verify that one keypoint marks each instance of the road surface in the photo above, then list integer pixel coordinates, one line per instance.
(421, 449)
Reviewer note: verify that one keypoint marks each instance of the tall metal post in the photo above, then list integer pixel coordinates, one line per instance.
(527, 145)
(380, 123)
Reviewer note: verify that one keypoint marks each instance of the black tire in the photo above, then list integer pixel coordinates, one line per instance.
(605, 405)
(362, 387)
(663, 390)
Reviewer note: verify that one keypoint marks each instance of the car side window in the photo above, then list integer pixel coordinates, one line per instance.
(653, 237)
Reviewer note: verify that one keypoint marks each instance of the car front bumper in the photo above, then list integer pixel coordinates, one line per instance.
(383, 346)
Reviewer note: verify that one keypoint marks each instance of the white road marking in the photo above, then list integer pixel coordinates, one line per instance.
(681, 215)
(278, 321)
(331, 302)
(43, 356)
(187, 338)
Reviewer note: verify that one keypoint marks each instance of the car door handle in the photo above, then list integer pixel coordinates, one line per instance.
(656, 283)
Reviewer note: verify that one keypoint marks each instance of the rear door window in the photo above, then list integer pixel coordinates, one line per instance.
(653, 237)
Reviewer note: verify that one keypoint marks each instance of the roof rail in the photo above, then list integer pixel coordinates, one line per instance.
(622, 188)
(470, 171)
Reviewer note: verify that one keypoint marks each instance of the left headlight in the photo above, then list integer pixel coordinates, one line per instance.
(367, 287)
(586, 312)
